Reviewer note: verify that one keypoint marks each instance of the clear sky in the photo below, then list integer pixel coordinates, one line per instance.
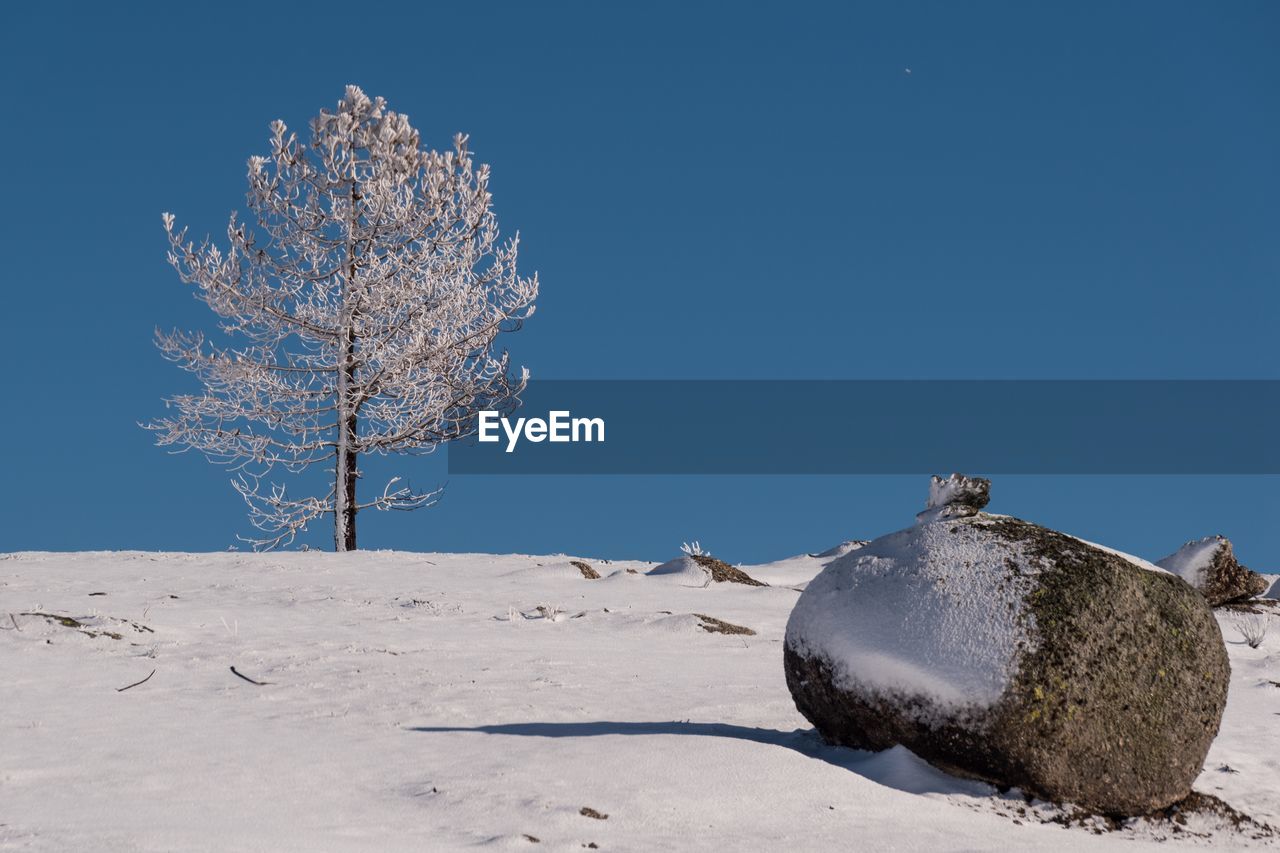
(1070, 190)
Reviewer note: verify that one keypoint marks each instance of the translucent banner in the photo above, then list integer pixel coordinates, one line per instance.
(880, 427)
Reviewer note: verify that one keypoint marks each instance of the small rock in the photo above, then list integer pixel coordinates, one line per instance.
(587, 572)
(722, 572)
(587, 811)
(712, 625)
(957, 496)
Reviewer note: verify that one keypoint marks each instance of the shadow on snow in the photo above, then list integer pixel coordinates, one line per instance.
(897, 767)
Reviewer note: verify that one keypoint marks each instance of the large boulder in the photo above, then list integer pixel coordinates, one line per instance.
(1002, 650)
(1210, 565)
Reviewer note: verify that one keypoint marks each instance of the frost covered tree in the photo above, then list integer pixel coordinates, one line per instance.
(358, 305)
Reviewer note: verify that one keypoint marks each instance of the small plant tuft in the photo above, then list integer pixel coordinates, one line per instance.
(694, 549)
(550, 612)
(1253, 628)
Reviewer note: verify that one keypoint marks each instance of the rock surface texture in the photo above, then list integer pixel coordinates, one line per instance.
(1210, 565)
(999, 649)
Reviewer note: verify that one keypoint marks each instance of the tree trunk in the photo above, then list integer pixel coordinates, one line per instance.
(344, 492)
(344, 505)
(345, 467)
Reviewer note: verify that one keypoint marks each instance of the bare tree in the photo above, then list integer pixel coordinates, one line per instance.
(363, 305)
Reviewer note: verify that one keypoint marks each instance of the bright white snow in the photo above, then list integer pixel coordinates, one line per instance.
(841, 549)
(686, 569)
(892, 617)
(429, 702)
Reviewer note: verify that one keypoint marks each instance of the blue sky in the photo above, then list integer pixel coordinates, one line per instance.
(1060, 191)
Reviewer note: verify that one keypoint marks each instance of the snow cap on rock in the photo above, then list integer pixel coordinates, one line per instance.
(957, 496)
(1210, 565)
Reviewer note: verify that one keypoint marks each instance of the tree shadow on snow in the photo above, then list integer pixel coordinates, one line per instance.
(897, 768)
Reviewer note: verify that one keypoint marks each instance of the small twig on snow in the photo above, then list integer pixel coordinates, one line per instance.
(136, 683)
(248, 679)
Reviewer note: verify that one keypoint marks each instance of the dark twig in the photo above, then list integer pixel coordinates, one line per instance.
(247, 678)
(136, 683)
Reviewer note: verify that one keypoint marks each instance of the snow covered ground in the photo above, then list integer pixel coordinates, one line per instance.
(450, 701)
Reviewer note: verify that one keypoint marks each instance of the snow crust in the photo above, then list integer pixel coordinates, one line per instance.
(922, 612)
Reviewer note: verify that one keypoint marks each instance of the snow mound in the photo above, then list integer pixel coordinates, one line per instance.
(685, 570)
(679, 623)
(891, 616)
(900, 768)
(549, 570)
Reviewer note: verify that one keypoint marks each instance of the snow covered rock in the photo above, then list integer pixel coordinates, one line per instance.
(683, 569)
(957, 496)
(704, 569)
(1210, 566)
(1006, 651)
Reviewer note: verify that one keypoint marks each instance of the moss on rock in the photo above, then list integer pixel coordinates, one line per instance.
(1115, 706)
